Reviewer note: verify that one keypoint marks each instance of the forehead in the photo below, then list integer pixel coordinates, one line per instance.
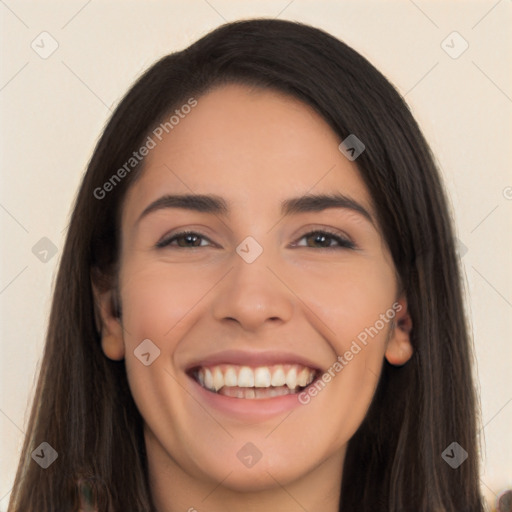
(251, 146)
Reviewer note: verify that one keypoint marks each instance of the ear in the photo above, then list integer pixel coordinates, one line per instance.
(108, 321)
(399, 349)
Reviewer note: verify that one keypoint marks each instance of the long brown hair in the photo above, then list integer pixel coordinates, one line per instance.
(83, 406)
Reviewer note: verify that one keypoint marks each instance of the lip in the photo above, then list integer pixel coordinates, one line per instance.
(243, 408)
(246, 409)
(252, 359)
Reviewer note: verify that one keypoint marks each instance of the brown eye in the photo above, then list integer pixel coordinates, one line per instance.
(185, 239)
(324, 239)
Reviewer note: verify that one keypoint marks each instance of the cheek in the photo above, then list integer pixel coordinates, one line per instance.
(159, 301)
(155, 303)
(350, 298)
(355, 306)
(157, 297)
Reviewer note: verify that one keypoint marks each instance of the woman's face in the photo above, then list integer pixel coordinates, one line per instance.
(257, 295)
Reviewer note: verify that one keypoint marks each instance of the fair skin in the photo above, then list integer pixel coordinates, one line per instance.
(302, 297)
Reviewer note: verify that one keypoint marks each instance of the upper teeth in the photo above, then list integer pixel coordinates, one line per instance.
(291, 375)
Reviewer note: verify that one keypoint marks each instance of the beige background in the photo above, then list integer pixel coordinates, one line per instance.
(53, 111)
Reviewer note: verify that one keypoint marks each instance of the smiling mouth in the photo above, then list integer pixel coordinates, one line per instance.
(254, 382)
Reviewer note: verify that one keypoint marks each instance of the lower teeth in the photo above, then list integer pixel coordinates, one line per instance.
(255, 393)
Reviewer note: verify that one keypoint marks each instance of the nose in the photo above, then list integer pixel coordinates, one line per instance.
(253, 295)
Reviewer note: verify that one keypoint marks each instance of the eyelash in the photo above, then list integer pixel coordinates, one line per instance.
(343, 242)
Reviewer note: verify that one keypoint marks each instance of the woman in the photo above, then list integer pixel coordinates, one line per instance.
(258, 304)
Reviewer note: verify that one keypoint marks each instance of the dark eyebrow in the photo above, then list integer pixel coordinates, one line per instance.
(217, 205)
(320, 202)
(195, 202)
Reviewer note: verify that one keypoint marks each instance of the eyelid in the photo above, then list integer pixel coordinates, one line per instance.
(166, 239)
(343, 239)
